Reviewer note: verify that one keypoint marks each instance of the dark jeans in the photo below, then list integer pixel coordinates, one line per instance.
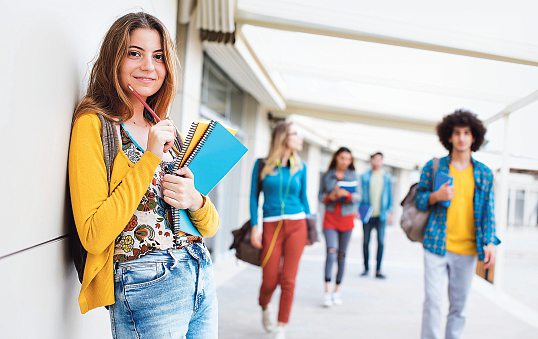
(337, 243)
(374, 222)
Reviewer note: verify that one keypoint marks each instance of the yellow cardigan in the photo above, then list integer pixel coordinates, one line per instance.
(101, 212)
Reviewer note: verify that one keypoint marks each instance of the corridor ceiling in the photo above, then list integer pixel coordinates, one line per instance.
(400, 66)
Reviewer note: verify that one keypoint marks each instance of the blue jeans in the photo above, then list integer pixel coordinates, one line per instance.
(166, 294)
(379, 226)
(337, 243)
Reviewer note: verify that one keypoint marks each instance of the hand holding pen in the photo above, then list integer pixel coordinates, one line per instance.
(162, 133)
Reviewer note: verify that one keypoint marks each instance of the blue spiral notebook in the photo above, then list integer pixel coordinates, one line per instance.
(213, 157)
(440, 179)
(350, 186)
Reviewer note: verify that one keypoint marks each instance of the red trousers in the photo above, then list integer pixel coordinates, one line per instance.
(282, 266)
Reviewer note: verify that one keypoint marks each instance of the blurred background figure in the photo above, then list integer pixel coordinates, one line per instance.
(461, 225)
(340, 193)
(377, 193)
(283, 183)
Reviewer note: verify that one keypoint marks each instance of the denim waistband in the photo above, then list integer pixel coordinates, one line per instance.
(196, 251)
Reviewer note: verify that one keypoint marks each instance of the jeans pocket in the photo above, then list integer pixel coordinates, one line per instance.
(138, 275)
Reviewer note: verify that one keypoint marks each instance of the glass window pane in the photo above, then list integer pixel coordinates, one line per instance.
(236, 107)
(220, 94)
(216, 98)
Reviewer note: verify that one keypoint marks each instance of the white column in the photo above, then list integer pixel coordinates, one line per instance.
(401, 188)
(502, 202)
(313, 163)
(186, 106)
(511, 207)
(527, 206)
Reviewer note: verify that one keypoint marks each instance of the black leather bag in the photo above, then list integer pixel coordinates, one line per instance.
(311, 229)
(241, 243)
(243, 248)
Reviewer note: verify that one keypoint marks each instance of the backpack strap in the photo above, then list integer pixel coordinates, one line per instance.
(435, 168)
(111, 143)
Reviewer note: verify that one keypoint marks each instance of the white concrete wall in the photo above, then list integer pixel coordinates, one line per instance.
(47, 49)
(257, 138)
(186, 109)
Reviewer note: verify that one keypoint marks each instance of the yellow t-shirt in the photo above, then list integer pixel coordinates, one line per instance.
(460, 228)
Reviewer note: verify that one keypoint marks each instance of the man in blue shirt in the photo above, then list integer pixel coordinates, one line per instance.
(455, 235)
(377, 193)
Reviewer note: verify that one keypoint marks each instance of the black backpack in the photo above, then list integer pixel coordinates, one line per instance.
(110, 150)
(413, 221)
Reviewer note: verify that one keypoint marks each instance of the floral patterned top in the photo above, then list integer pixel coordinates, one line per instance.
(150, 226)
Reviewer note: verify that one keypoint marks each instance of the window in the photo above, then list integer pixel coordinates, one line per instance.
(520, 206)
(222, 100)
(220, 95)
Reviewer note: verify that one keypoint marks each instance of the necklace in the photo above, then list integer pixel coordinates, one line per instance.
(145, 123)
(283, 199)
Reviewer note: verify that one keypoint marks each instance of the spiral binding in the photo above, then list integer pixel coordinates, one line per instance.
(175, 212)
(188, 139)
(198, 147)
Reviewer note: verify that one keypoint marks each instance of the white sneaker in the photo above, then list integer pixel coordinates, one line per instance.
(280, 333)
(327, 300)
(337, 299)
(267, 321)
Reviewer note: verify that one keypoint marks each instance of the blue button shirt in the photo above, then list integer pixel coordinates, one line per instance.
(483, 206)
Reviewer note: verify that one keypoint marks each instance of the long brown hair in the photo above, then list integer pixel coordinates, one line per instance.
(332, 164)
(279, 138)
(104, 94)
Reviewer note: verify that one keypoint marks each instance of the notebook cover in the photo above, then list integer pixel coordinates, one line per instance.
(201, 128)
(365, 212)
(220, 152)
(440, 179)
(350, 186)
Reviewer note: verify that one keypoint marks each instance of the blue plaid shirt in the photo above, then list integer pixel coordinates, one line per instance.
(483, 206)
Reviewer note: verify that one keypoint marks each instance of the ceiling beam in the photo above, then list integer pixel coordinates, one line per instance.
(275, 22)
(513, 107)
(357, 116)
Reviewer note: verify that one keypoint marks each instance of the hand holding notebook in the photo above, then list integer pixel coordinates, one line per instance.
(440, 179)
(348, 186)
(210, 152)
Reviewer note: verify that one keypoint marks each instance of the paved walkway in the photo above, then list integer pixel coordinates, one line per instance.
(381, 309)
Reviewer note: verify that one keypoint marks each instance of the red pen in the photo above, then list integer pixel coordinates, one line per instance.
(157, 119)
(155, 116)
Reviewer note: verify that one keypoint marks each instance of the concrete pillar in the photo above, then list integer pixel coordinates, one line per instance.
(313, 162)
(257, 136)
(511, 207)
(186, 106)
(527, 207)
(400, 189)
(502, 202)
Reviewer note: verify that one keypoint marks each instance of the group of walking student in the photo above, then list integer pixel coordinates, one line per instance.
(157, 282)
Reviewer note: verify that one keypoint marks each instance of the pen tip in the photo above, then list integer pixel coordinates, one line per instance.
(130, 87)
